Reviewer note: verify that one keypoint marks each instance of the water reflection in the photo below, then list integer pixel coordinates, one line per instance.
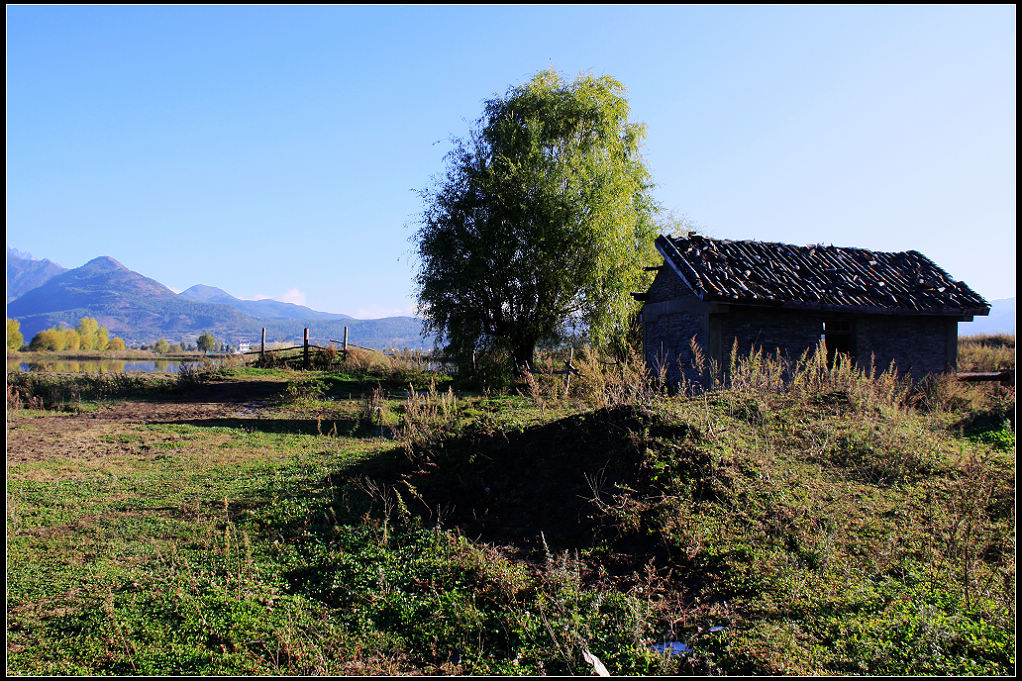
(102, 366)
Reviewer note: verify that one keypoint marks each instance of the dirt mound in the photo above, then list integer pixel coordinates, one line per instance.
(581, 479)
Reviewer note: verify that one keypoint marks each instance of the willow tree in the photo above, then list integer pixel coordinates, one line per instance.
(543, 221)
(206, 342)
(92, 335)
(14, 338)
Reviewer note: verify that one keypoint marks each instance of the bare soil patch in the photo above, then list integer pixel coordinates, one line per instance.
(55, 435)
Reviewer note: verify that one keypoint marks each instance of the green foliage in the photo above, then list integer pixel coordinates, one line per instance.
(206, 342)
(1002, 437)
(14, 338)
(87, 335)
(303, 392)
(544, 220)
(161, 346)
(92, 335)
(56, 339)
(192, 374)
(54, 391)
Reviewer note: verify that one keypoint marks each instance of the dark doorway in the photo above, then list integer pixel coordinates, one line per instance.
(837, 334)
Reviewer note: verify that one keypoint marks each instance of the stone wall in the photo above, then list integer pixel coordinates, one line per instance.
(917, 345)
(789, 333)
(673, 316)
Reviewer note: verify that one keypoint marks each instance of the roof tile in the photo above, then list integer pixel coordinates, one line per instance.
(817, 276)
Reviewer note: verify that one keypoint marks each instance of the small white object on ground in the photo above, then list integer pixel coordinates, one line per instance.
(595, 661)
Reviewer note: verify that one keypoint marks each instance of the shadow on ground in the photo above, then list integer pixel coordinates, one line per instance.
(263, 425)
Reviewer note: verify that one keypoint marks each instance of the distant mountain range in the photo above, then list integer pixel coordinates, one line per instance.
(264, 309)
(24, 273)
(1000, 320)
(42, 294)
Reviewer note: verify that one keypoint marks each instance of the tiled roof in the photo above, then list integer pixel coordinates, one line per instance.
(817, 277)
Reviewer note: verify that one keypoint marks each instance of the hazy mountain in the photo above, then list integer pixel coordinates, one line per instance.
(1000, 320)
(142, 310)
(25, 273)
(264, 309)
(130, 305)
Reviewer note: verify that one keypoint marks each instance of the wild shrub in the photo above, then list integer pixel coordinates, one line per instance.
(325, 358)
(41, 390)
(426, 419)
(191, 374)
(590, 385)
(20, 398)
(602, 382)
(302, 392)
(545, 382)
(365, 361)
(757, 371)
(489, 370)
(865, 390)
(986, 352)
(946, 394)
(887, 454)
(373, 411)
(533, 389)
(418, 361)
(373, 367)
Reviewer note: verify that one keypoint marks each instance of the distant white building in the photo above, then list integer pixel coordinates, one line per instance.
(244, 347)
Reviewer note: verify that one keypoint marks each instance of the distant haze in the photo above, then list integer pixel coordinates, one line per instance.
(141, 310)
(1000, 320)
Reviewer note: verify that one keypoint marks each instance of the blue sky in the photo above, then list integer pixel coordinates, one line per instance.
(278, 151)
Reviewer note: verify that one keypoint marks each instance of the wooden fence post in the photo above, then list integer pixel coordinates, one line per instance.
(345, 346)
(262, 348)
(568, 368)
(305, 355)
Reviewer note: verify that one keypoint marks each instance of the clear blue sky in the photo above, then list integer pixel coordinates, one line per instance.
(277, 151)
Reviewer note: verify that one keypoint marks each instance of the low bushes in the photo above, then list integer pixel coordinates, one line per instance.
(66, 391)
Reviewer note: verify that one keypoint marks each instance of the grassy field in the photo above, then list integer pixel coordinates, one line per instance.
(247, 521)
(986, 352)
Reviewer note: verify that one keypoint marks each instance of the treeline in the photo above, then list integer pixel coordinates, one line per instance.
(86, 335)
(163, 347)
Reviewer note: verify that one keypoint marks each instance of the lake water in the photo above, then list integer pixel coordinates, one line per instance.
(99, 366)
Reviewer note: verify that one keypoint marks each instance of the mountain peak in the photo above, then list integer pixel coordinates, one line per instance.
(25, 272)
(206, 294)
(103, 263)
(15, 253)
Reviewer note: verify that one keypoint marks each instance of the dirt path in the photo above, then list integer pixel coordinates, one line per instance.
(45, 436)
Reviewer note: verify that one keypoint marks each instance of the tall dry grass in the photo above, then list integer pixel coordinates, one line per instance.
(426, 418)
(599, 380)
(986, 353)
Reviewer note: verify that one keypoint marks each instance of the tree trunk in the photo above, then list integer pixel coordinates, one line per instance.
(523, 354)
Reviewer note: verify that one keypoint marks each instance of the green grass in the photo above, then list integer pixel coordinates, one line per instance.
(820, 532)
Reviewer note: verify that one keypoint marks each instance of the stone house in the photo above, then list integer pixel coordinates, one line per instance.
(874, 307)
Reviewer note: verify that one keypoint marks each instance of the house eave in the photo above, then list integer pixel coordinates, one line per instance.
(962, 314)
(666, 247)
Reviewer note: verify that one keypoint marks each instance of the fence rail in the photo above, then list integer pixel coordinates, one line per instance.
(307, 353)
(1003, 377)
(306, 348)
